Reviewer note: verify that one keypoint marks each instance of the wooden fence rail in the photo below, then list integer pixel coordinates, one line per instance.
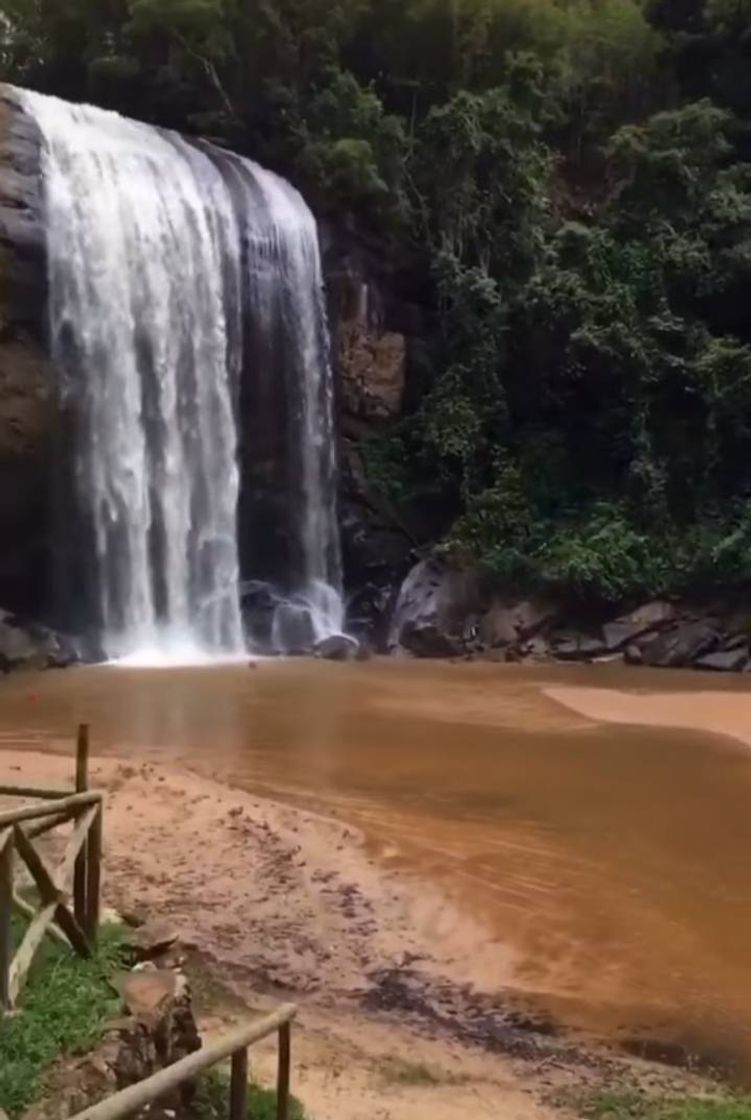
(69, 913)
(77, 925)
(235, 1045)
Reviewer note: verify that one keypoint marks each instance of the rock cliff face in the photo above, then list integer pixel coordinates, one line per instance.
(27, 412)
(377, 324)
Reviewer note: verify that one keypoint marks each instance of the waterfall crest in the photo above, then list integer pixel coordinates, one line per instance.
(160, 252)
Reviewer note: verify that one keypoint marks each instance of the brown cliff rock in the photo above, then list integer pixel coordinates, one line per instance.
(372, 368)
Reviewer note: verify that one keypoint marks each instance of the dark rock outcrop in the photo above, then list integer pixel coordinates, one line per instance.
(724, 661)
(293, 629)
(444, 609)
(647, 619)
(576, 647)
(376, 551)
(28, 412)
(426, 639)
(509, 622)
(682, 644)
(28, 645)
(438, 610)
(337, 647)
(377, 314)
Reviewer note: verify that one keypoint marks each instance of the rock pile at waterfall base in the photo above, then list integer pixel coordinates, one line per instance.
(448, 611)
(29, 645)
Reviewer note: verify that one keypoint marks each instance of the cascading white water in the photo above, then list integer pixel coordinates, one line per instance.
(154, 249)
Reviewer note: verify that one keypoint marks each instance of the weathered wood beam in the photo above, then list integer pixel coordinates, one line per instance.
(82, 784)
(28, 947)
(36, 812)
(31, 791)
(47, 825)
(6, 903)
(27, 911)
(238, 1087)
(94, 874)
(52, 887)
(283, 1072)
(135, 1097)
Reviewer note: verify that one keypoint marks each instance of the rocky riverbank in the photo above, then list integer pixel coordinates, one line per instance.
(446, 611)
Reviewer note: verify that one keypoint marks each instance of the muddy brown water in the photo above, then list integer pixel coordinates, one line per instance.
(609, 862)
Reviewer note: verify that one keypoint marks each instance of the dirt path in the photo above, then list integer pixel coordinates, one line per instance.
(286, 903)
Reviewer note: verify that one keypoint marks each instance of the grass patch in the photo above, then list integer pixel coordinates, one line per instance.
(212, 1098)
(635, 1105)
(65, 1003)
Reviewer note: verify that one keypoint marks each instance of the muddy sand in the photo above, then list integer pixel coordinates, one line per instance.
(401, 1016)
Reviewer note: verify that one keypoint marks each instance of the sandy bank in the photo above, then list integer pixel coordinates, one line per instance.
(286, 902)
(720, 713)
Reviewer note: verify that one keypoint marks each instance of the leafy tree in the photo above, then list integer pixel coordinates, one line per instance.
(576, 178)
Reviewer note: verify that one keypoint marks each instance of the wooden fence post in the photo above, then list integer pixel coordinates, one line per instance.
(82, 784)
(94, 875)
(6, 908)
(282, 1082)
(238, 1090)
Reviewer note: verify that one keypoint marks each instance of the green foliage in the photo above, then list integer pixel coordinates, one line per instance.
(212, 1095)
(65, 1004)
(576, 178)
(636, 1105)
(351, 149)
(197, 25)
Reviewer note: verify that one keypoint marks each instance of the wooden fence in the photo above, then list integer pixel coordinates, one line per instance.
(69, 893)
(235, 1045)
(77, 877)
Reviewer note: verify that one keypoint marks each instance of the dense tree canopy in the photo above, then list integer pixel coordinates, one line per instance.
(585, 414)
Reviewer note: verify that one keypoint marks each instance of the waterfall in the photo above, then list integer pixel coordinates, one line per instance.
(164, 259)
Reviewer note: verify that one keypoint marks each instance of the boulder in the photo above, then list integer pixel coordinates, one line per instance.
(259, 603)
(682, 644)
(724, 661)
(368, 610)
(428, 640)
(16, 647)
(576, 647)
(338, 647)
(437, 609)
(505, 623)
(30, 646)
(649, 618)
(736, 641)
(293, 632)
(536, 649)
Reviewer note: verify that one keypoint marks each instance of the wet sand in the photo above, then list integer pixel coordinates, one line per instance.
(285, 903)
(592, 871)
(719, 713)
